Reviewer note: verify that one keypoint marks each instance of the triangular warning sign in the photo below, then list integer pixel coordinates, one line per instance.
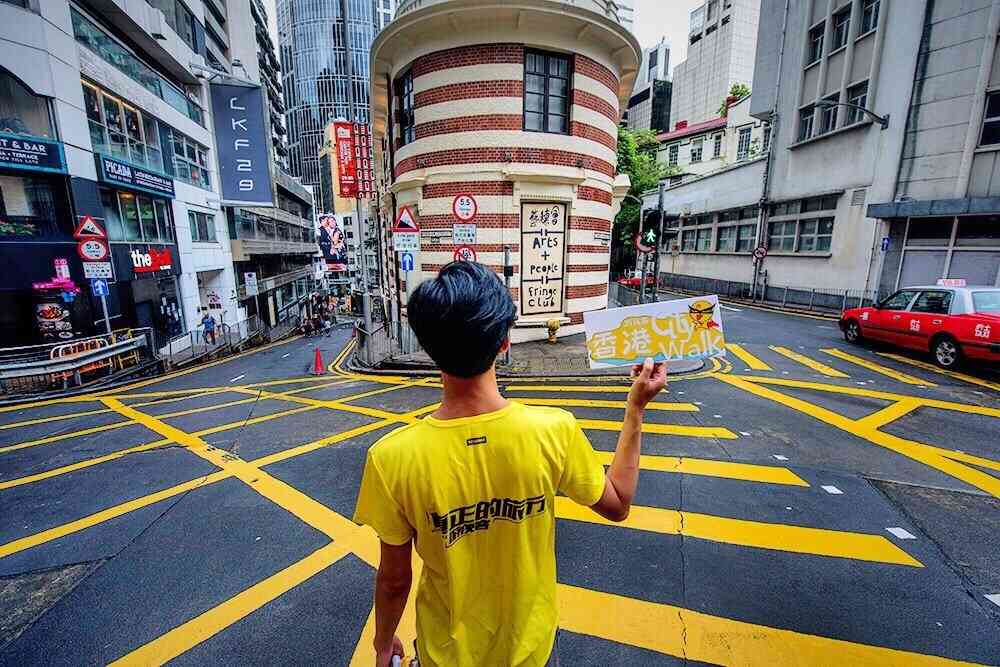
(405, 222)
(89, 228)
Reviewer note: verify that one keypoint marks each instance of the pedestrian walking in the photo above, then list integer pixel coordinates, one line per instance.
(208, 327)
(473, 485)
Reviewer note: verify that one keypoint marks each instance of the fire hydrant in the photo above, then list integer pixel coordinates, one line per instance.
(553, 326)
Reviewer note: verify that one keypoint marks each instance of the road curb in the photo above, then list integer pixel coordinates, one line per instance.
(426, 371)
(819, 315)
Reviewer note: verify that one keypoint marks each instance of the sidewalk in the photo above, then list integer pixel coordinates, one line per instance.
(565, 358)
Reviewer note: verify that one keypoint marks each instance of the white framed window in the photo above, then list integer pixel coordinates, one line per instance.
(726, 241)
(991, 121)
(746, 237)
(815, 235)
(696, 149)
(781, 236)
(202, 227)
(672, 151)
(766, 141)
(743, 145)
(869, 15)
(841, 28)
(717, 145)
(806, 123)
(857, 95)
(815, 45)
(828, 115)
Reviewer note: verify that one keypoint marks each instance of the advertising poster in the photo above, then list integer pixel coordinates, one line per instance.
(332, 243)
(346, 165)
(543, 246)
(684, 329)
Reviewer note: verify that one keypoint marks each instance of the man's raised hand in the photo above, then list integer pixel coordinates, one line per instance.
(647, 381)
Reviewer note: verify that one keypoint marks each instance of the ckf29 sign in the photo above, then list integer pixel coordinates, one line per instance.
(241, 138)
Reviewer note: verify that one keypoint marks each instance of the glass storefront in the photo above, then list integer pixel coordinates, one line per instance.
(137, 217)
(966, 247)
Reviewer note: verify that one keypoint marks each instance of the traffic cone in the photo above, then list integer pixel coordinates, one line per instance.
(318, 368)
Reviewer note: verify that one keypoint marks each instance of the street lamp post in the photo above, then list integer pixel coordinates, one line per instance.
(881, 120)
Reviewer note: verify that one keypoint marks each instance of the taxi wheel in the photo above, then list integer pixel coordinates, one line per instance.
(946, 351)
(852, 332)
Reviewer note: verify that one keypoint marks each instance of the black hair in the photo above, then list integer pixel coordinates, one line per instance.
(462, 317)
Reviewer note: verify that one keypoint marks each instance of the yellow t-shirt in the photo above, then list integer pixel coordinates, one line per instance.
(477, 494)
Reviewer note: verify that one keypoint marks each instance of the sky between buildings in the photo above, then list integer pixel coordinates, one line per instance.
(653, 19)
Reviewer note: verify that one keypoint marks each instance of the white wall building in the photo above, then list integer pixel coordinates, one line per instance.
(722, 41)
(133, 121)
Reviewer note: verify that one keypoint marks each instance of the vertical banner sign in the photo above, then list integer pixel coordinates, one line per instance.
(346, 165)
(241, 139)
(543, 249)
(363, 154)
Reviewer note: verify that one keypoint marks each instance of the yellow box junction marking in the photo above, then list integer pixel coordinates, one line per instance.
(889, 414)
(715, 640)
(934, 369)
(821, 368)
(918, 451)
(747, 472)
(756, 534)
(661, 429)
(752, 362)
(180, 413)
(878, 368)
(598, 403)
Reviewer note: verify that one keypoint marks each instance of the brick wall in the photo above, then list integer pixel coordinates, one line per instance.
(468, 91)
(505, 154)
(463, 56)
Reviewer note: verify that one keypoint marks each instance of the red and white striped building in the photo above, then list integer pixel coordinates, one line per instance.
(516, 104)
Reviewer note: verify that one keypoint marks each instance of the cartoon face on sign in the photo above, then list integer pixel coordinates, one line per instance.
(701, 313)
(691, 335)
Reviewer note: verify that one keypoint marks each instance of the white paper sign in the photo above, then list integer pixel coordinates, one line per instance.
(543, 247)
(684, 329)
(97, 270)
(464, 234)
(406, 241)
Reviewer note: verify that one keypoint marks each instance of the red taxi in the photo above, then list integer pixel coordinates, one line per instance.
(634, 279)
(952, 323)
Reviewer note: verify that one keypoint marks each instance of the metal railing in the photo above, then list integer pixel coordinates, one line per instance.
(818, 299)
(385, 342)
(196, 344)
(60, 366)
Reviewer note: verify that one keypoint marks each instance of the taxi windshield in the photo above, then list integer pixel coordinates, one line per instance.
(986, 301)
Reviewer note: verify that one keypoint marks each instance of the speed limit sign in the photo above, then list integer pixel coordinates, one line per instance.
(465, 207)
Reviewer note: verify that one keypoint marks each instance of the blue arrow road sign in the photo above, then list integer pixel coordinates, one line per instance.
(406, 261)
(99, 287)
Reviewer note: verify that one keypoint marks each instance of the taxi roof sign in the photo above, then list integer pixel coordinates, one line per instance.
(405, 221)
(951, 282)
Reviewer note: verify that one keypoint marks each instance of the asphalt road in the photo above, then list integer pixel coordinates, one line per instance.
(802, 501)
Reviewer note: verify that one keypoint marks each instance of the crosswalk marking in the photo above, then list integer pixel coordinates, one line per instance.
(754, 534)
(934, 369)
(661, 429)
(598, 403)
(806, 361)
(750, 360)
(740, 471)
(878, 368)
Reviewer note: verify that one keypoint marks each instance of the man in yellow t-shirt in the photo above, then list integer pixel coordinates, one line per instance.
(474, 486)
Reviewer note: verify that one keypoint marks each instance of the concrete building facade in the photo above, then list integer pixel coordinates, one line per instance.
(517, 107)
(108, 85)
(722, 42)
(942, 218)
(649, 105)
(324, 64)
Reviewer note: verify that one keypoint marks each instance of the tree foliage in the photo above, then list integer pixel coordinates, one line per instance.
(637, 158)
(737, 90)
